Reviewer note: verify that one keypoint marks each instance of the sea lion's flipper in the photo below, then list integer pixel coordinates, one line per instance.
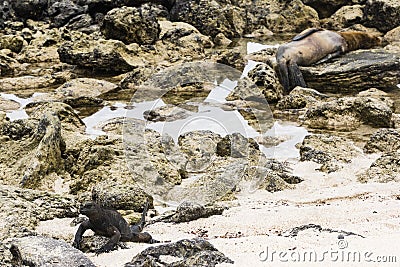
(306, 33)
(328, 57)
(283, 75)
(295, 76)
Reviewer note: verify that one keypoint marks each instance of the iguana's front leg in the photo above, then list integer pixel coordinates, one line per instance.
(115, 236)
(81, 230)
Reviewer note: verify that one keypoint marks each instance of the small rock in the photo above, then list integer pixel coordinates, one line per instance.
(221, 40)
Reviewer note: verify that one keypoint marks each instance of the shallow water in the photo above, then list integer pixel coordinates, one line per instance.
(210, 115)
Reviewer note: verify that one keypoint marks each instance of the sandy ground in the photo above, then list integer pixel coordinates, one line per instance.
(254, 231)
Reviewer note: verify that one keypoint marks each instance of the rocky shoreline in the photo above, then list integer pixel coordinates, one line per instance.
(124, 101)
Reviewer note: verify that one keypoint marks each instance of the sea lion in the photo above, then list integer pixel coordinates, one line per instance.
(315, 45)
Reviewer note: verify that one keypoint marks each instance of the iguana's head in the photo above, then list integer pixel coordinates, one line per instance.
(89, 208)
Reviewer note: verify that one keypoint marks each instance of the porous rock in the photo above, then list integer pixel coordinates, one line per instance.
(189, 252)
(44, 251)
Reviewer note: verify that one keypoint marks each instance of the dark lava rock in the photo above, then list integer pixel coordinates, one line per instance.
(382, 14)
(326, 8)
(356, 71)
(62, 11)
(39, 251)
(384, 140)
(189, 211)
(195, 252)
(30, 9)
(131, 25)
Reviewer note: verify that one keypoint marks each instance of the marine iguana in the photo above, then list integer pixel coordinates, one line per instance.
(110, 223)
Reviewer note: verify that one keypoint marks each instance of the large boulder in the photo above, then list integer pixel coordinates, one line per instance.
(211, 17)
(131, 25)
(378, 12)
(62, 11)
(106, 55)
(30, 9)
(356, 71)
(348, 113)
(45, 251)
(326, 8)
(186, 252)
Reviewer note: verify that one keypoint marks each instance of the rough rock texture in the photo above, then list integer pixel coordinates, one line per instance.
(384, 169)
(265, 78)
(154, 161)
(120, 196)
(345, 17)
(12, 42)
(384, 140)
(81, 92)
(328, 150)
(326, 8)
(22, 209)
(45, 251)
(377, 12)
(180, 40)
(348, 113)
(232, 57)
(211, 17)
(200, 147)
(166, 113)
(195, 252)
(300, 98)
(62, 11)
(273, 176)
(107, 55)
(189, 211)
(393, 36)
(289, 16)
(7, 64)
(131, 25)
(30, 9)
(31, 82)
(355, 71)
(33, 150)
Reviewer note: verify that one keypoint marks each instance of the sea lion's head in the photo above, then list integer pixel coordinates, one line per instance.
(360, 40)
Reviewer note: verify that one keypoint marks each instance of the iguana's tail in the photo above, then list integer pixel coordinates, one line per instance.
(137, 228)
